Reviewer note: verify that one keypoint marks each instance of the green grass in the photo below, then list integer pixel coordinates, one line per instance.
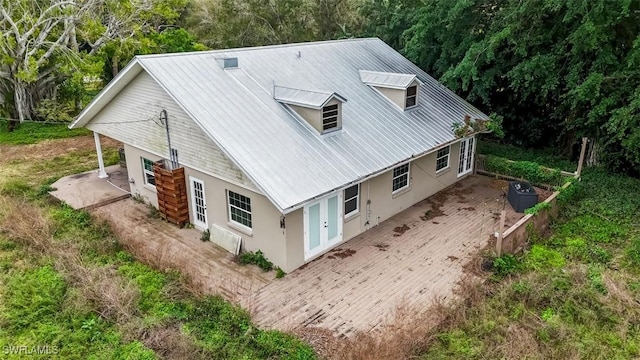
(573, 294)
(546, 157)
(43, 294)
(31, 133)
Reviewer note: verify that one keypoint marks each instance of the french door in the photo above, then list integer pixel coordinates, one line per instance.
(466, 156)
(198, 203)
(322, 225)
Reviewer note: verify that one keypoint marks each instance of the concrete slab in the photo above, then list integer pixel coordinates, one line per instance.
(87, 191)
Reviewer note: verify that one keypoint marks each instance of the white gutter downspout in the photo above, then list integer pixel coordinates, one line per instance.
(102, 173)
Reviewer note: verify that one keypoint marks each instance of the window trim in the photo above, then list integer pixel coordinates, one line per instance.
(407, 174)
(406, 97)
(357, 198)
(146, 172)
(250, 212)
(324, 117)
(448, 156)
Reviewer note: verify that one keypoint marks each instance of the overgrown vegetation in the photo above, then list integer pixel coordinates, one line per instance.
(68, 285)
(573, 294)
(256, 258)
(528, 170)
(546, 157)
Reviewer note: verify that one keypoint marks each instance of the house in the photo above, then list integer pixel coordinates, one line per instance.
(295, 148)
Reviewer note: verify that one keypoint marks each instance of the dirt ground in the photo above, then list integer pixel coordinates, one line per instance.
(50, 148)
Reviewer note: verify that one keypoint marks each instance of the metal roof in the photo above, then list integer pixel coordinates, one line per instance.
(289, 162)
(306, 98)
(387, 79)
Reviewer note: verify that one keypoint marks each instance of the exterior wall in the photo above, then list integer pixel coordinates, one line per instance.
(314, 117)
(423, 182)
(139, 106)
(397, 96)
(136, 175)
(266, 234)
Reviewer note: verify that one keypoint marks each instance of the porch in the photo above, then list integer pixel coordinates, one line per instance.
(412, 258)
(89, 190)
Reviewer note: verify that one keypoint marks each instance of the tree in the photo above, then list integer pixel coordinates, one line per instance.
(47, 42)
(239, 23)
(555, 69)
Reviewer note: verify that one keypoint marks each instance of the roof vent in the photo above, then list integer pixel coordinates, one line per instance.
(227, 62)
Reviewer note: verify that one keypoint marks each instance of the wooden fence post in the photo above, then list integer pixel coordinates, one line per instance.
(503, 216)
(582, 153)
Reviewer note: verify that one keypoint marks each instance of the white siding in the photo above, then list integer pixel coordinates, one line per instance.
(133, 118)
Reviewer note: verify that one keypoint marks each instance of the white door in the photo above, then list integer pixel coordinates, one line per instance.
(198, 203)
(322, 225)
(466, 156)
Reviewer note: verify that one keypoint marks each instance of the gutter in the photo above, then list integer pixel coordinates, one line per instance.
(377, 173)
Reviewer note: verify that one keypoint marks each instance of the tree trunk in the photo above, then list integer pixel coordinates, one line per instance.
(21, 107)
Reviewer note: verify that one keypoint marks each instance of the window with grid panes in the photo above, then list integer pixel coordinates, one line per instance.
(239, 209)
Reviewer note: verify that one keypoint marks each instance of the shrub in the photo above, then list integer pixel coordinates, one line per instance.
(276, 345)
(528, 170)
(534, 210)
(505, 265)
(206, 235)
(257, 259)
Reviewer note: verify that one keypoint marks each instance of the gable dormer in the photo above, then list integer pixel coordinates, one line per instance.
(322, 110)
(401, 89)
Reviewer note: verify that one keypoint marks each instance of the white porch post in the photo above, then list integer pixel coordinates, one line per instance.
(102, 173)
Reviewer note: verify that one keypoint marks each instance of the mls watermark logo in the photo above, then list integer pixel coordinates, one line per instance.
(30, 350)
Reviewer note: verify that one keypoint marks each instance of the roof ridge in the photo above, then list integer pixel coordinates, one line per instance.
(255, 48)
(324, 92)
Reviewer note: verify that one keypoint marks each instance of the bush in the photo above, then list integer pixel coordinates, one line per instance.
(505, 265)
(257, 259)
(528, 170)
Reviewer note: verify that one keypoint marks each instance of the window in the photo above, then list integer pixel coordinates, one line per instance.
(442, 158)
(329, 117)
(147, 169)
(239, 209)
(351, 197)
(412, 97)
(400, 177)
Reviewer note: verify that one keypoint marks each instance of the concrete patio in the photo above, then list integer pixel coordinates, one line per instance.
(412, 258)
(87, 191)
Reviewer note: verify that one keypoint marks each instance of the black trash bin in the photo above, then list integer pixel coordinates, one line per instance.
(521, 196)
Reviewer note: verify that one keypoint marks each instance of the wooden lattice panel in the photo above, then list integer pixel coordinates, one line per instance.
(172, 194)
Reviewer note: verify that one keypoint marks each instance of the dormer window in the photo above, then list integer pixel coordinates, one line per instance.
(330, 117)
(321, 110)
(411, 99)
(400, 89)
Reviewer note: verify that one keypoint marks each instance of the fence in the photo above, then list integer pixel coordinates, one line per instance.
(515, 238)
(498, 167)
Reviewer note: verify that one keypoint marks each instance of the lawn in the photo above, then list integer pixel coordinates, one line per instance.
(33, 132)
(69, 291)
